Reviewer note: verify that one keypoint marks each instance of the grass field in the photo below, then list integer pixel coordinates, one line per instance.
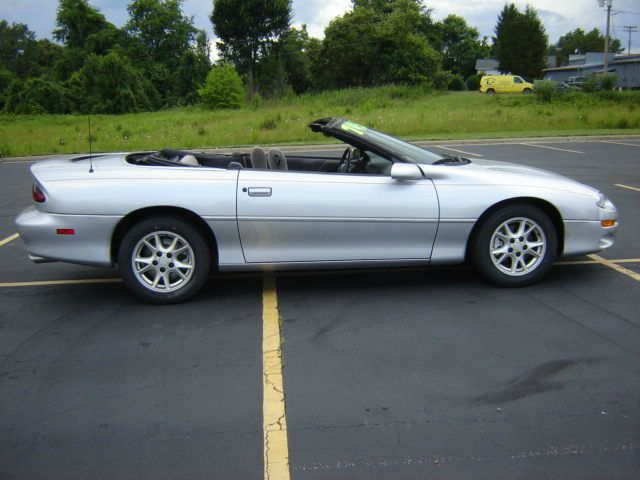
(408, 112)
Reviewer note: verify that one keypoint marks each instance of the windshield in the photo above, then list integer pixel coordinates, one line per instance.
(407, 151)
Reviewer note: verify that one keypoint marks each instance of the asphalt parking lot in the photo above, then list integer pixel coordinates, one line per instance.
(411, 373)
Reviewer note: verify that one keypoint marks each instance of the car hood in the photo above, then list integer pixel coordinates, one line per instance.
(515, 168)
(492, 171)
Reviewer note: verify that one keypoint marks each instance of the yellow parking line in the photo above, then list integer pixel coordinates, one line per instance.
(621, 143)
(9, 239)
(627, 186)
(577, 262)
(459, 151)
(593, 262)
(274, 427)
(44, 283)
(550, 148)
(615, 266)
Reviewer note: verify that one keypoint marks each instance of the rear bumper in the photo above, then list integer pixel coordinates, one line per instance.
(90, 245)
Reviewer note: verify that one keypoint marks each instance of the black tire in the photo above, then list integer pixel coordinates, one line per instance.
(527, 91)
(177, 288)
(523, 253)
(491, 92)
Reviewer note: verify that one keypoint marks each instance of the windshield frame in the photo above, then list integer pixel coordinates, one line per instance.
(401, 150)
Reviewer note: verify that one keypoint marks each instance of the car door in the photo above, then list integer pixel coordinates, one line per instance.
(286, 216)
(517, 85)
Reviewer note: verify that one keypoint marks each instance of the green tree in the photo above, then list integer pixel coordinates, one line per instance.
(368, 47)
(520, 42)
(203, 56)
(110, 84)
(295, 47)
(461, 45)
(21, 54)
(46, 54)
(84, 30)
(160, 29)
(383, 6)
(75, 21)
(161, 35)
(248, 29)
(15, 40)
(426, 25)
(580, 42)
(187, 78)
(223, 88)
(107, 39)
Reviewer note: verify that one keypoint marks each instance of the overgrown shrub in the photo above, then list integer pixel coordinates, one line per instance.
(473, 83)
(590, 85)
(36, 96)
(271, 122)
(223, 88)
(608, 81)
(457, 83)
(110, 84)
(545, 90)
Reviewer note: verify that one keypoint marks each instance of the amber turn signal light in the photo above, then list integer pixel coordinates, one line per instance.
(607, 223)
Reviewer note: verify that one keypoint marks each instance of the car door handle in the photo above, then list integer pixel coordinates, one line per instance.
(259, 191)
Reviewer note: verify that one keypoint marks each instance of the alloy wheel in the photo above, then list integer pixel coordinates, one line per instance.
(163, 261)
(518, 246)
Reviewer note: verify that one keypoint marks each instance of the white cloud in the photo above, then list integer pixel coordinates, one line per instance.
(317, 14)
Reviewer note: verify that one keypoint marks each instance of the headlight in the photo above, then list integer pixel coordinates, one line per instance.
(604, 202)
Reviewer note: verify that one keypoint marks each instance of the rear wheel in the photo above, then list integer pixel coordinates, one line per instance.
(164, 260)
(515, 246)
(491, 91)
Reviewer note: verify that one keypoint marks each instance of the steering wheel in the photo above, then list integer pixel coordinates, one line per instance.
(345, 160)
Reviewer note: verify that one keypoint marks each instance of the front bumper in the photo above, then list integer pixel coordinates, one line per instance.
(582, 236)
(89, 245)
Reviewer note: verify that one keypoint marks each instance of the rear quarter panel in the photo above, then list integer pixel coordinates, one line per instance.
(116, 189)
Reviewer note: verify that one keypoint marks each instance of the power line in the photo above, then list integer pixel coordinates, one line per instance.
(630, 29)
(627, 12)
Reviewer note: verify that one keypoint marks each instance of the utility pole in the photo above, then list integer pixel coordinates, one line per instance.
(630, 29)
(606, 36)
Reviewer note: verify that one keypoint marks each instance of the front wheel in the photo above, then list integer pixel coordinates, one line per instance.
(527, 91)
(164, 260)
(515, 246)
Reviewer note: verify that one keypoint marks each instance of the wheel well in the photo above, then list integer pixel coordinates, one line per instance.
(543, 205)
(182, 213)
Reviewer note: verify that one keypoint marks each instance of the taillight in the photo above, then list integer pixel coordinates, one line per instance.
(38, 196)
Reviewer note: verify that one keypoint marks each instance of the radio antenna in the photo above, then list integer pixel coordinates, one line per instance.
(90, 149)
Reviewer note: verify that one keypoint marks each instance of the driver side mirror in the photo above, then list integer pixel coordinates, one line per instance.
(406, 171)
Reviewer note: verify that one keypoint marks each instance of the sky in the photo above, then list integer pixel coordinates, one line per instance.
(559, 17)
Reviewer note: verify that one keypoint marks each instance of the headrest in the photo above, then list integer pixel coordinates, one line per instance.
(189, 160)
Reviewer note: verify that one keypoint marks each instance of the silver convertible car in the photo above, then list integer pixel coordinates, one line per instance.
(168, 218)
